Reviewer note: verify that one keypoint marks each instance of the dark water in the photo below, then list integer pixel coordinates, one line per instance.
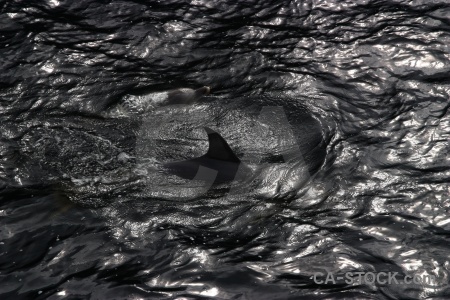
(363, 88)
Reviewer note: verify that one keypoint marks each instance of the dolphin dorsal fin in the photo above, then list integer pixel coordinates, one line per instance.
(218, 147)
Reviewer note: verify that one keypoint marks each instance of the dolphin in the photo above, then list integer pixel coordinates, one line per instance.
(186, 95)
(147, 102)
(220, 161)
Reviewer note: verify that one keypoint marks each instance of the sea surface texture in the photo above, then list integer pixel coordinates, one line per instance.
(340, 110)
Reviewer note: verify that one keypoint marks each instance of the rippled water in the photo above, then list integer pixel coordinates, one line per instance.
(359, 88)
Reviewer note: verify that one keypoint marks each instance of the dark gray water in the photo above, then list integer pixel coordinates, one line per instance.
(340, 108)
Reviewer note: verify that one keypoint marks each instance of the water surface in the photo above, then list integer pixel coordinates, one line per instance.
(86, 213)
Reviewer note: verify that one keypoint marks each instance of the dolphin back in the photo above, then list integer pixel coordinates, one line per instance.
(219, 158)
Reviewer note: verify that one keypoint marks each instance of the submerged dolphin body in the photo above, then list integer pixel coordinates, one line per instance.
(219, 161)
